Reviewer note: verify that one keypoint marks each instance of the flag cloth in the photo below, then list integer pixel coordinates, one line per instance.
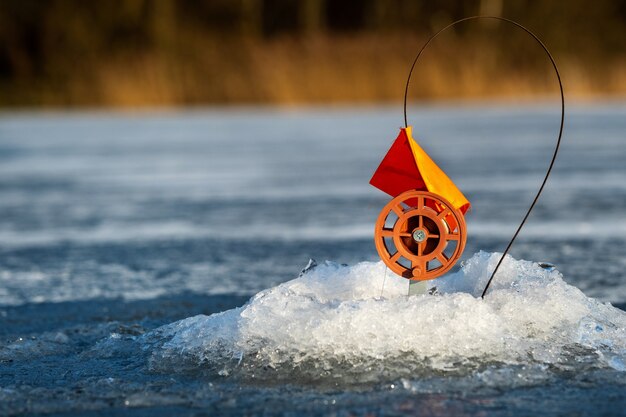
(407, 167)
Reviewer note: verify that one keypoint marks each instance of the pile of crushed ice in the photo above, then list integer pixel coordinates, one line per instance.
(338, 321)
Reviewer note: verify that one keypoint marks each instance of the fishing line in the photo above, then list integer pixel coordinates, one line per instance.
(558, 141)
(384, 279)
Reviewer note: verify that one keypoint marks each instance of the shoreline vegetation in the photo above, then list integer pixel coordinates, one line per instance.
(157, 54)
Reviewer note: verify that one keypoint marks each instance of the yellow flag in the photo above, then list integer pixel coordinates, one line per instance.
(435, 179)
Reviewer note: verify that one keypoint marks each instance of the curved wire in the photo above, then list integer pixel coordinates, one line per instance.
(558, 141)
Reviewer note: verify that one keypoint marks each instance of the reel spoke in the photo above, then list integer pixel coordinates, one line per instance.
(445, 213)
(395, 257)
(441, 257)
(420, 202)
(398, 210)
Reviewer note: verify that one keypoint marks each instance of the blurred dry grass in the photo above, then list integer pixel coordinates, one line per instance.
(346, 69)
(144, 53)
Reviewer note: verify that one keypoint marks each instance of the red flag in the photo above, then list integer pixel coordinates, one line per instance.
(398, 171)
(406, 166)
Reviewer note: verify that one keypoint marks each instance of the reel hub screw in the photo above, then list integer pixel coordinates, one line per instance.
(419, 235)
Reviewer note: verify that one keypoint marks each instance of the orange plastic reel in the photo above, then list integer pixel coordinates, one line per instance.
(420, 235)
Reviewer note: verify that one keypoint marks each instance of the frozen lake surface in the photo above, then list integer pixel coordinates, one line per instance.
(115, 226)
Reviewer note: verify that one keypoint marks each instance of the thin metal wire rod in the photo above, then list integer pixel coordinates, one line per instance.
(558, 141)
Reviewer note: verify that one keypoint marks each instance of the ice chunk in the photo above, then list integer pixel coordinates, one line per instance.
(333, 323)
